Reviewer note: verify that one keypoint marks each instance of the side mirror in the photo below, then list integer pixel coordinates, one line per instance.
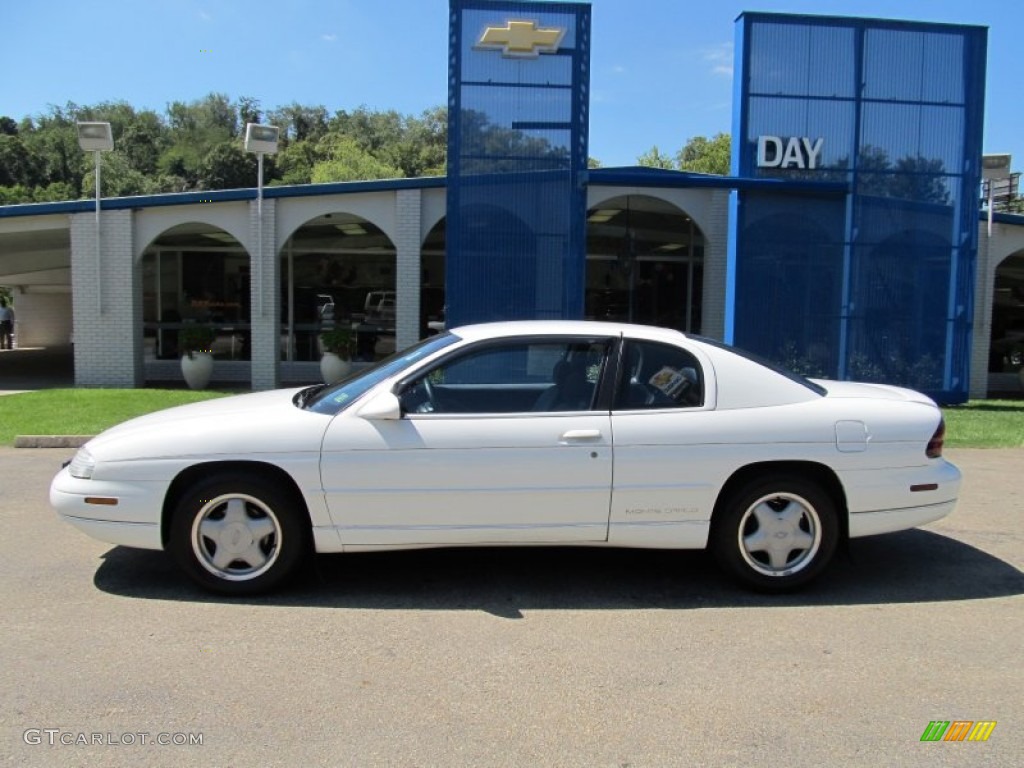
(383, 406)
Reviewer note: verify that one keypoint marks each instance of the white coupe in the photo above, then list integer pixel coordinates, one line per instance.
(565, 433)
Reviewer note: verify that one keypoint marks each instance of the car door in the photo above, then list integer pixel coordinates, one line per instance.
(666, 453)
(499, 442)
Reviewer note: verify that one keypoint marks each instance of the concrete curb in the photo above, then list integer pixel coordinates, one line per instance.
(51, 441)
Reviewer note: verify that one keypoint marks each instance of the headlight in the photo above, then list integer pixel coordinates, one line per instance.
(82, 465)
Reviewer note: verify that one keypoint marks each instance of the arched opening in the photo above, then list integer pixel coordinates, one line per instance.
(432, 268)
(645, 264)
(195, 273)
(1006, 351)
(338, 270)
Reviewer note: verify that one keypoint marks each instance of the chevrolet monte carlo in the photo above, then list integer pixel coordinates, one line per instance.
(537, 433)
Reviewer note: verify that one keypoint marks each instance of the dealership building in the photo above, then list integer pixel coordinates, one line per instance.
(847, 241)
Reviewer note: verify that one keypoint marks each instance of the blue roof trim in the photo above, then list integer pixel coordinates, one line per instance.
(342, 187)
(220, 196)
(1004, 218)
(42, 209)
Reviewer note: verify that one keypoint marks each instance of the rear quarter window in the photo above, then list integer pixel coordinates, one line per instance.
(656, 375)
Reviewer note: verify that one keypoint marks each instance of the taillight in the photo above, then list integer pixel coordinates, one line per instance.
(934, 449)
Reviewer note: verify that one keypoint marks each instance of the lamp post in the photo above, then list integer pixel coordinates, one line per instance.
(993, 168)
(261, 139)
(96, 138)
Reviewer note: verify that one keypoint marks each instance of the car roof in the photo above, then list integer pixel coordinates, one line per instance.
(563, 328)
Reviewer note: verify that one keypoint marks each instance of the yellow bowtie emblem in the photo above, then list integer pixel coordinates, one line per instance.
(521, 40)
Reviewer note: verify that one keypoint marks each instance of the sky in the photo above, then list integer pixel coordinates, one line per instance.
(661, 70)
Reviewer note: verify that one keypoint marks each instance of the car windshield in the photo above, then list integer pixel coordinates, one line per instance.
(337, 397)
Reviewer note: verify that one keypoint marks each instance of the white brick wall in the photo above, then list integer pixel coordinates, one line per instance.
(106, 302)
(984, 285)
(266, 312)
(716, 251)
(408, 212)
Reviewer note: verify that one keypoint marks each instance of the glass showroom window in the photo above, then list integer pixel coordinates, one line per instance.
(338, 270)
(205, 285)
(645, 264)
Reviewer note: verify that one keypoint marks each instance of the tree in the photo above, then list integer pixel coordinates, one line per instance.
(653, 158)
(422, 146)
(699, 155)
(294, 163)
(702, 155)
(347, 161)
(53, 193)
(18, 165)
(117, 179)
(142, 141)
(196, 128)
(15, 195)
(196, 144)
(298, 122)
(53, 138)
(226, 166)
(248, 109)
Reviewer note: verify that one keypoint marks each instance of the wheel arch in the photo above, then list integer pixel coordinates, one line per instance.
(258, 469)
(813, 471)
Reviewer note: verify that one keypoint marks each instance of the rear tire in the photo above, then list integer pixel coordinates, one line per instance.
(776, 534)
(238, 534)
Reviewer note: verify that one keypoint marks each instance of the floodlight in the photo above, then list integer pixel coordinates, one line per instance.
(995, 166)
(95, 137)
(261, 138)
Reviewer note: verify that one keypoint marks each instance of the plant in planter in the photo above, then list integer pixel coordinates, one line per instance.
(196, 342)
(337, 346)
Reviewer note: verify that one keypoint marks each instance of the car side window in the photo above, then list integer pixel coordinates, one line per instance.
(656, 375)
(511, 377)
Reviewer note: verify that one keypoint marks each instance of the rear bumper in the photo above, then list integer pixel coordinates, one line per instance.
(898, 499)
(887, 521)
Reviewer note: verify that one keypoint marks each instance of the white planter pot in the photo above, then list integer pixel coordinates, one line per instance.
(333, 368)
(197, 369)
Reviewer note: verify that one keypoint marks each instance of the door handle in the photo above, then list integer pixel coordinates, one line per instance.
(581, 435)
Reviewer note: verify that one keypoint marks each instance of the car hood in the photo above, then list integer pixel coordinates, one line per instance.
(261, 422)
(854, 389)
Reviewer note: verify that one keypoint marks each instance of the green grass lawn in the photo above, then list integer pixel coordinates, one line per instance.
(985, 424)
(84, 411)
(979, 424)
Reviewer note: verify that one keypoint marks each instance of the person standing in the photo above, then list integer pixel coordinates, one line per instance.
(6, 325)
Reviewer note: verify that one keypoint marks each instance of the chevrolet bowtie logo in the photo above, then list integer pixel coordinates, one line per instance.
(521, 40)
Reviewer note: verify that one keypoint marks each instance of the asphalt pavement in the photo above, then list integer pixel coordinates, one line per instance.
(514, 657)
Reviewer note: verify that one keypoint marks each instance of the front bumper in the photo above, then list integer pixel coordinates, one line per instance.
(134, 521)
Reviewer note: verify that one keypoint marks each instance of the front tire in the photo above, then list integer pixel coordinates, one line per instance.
(238, 534)
(776, 534)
